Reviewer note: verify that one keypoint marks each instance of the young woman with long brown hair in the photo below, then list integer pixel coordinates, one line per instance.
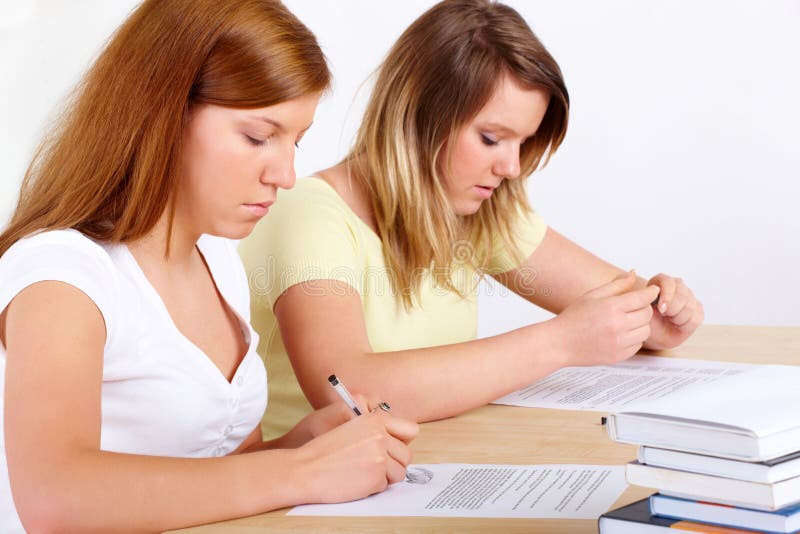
(132, 391)
(383, 260)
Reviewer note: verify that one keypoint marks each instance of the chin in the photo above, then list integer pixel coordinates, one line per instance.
(468, 208)
(233, 231)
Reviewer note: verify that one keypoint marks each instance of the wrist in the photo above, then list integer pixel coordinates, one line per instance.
(552, 337)
(304, 479)
(258, 481)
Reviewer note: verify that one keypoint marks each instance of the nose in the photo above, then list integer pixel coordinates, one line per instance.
(280, 170)
(507, 164)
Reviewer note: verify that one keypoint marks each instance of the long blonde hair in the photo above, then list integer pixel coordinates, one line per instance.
(111, 166)
(435, 79)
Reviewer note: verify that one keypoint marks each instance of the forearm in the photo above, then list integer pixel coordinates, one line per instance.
(438, 382)
(104, 491)
(296, 437)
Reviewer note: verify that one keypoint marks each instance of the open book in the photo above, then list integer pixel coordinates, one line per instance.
(752, 416)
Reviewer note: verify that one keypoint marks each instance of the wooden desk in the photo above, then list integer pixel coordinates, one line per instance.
(513, 435)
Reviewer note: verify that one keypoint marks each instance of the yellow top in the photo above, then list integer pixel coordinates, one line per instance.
(312, 234)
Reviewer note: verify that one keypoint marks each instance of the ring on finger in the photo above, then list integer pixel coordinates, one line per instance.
(382, 406)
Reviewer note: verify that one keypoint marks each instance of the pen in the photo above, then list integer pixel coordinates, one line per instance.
(344, 394)
(348, 399)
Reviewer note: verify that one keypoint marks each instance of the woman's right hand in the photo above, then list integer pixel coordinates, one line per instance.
(607, 324)
(356, 459)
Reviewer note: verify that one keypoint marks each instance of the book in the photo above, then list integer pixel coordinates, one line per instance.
(783, 520)
(749, 415)
(636, 518)
(767, 472)
(719, 490)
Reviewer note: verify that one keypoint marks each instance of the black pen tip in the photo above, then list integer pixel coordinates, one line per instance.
(333, 380)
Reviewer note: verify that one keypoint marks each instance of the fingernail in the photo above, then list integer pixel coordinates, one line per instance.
(663, 307)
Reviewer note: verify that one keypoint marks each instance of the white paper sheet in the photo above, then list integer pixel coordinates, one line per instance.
(486, 490)
(610, 388)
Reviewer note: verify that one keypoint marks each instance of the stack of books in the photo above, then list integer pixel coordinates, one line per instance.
(724, 456)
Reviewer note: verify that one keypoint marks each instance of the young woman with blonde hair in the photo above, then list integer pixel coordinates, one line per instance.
(378, 278)
(132, 390)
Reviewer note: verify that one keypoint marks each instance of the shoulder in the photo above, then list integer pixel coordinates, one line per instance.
(66, 256)
(527, 232)
(309, 234)
(55, 251)
(68, 242)
(311, 197)
(310, 219)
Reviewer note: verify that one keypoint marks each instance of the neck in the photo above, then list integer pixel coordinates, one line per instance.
(181, 243)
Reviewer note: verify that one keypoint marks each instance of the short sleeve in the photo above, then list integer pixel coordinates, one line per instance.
(528, 233)
(307, 235)
(63, 256)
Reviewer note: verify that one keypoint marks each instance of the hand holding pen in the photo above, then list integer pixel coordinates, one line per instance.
(342, 391)
(360, 457)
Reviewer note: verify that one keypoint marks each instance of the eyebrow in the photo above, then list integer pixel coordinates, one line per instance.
(278, 125)
(496, 126)
(274, 123)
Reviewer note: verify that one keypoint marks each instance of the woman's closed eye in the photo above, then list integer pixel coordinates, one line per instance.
(255, 141)
(488, 141)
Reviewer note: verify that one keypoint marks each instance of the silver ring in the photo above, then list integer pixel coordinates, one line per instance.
(383, 406)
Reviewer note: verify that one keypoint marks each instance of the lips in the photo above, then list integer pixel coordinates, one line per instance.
(264, 205)
(259, 209)
(483, 192)
(491, 186)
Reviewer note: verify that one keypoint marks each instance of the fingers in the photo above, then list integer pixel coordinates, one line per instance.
(402, 429)
(343, 413)
(362, 402)
(680, 298)
(640, 298)
(677, 302)
(621, 284)
(683, 316)
(398, 451)
(395, 471)
(638, 318)
(634, 337)
(397, 460)
(667, 285)
(674, 294)
(690, 317)
(630, 350)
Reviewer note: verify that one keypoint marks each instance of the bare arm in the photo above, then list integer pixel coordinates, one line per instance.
(436, 382)
(559, 272)
(69, 484)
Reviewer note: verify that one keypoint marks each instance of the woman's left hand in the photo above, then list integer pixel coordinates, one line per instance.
(676, 315)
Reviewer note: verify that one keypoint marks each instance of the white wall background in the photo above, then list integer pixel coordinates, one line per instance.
(683, 154)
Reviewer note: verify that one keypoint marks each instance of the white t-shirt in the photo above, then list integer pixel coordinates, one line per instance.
(161, 395)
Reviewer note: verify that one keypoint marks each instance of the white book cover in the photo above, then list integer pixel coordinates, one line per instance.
(753, 415)
(720, 490)
(764, 472)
